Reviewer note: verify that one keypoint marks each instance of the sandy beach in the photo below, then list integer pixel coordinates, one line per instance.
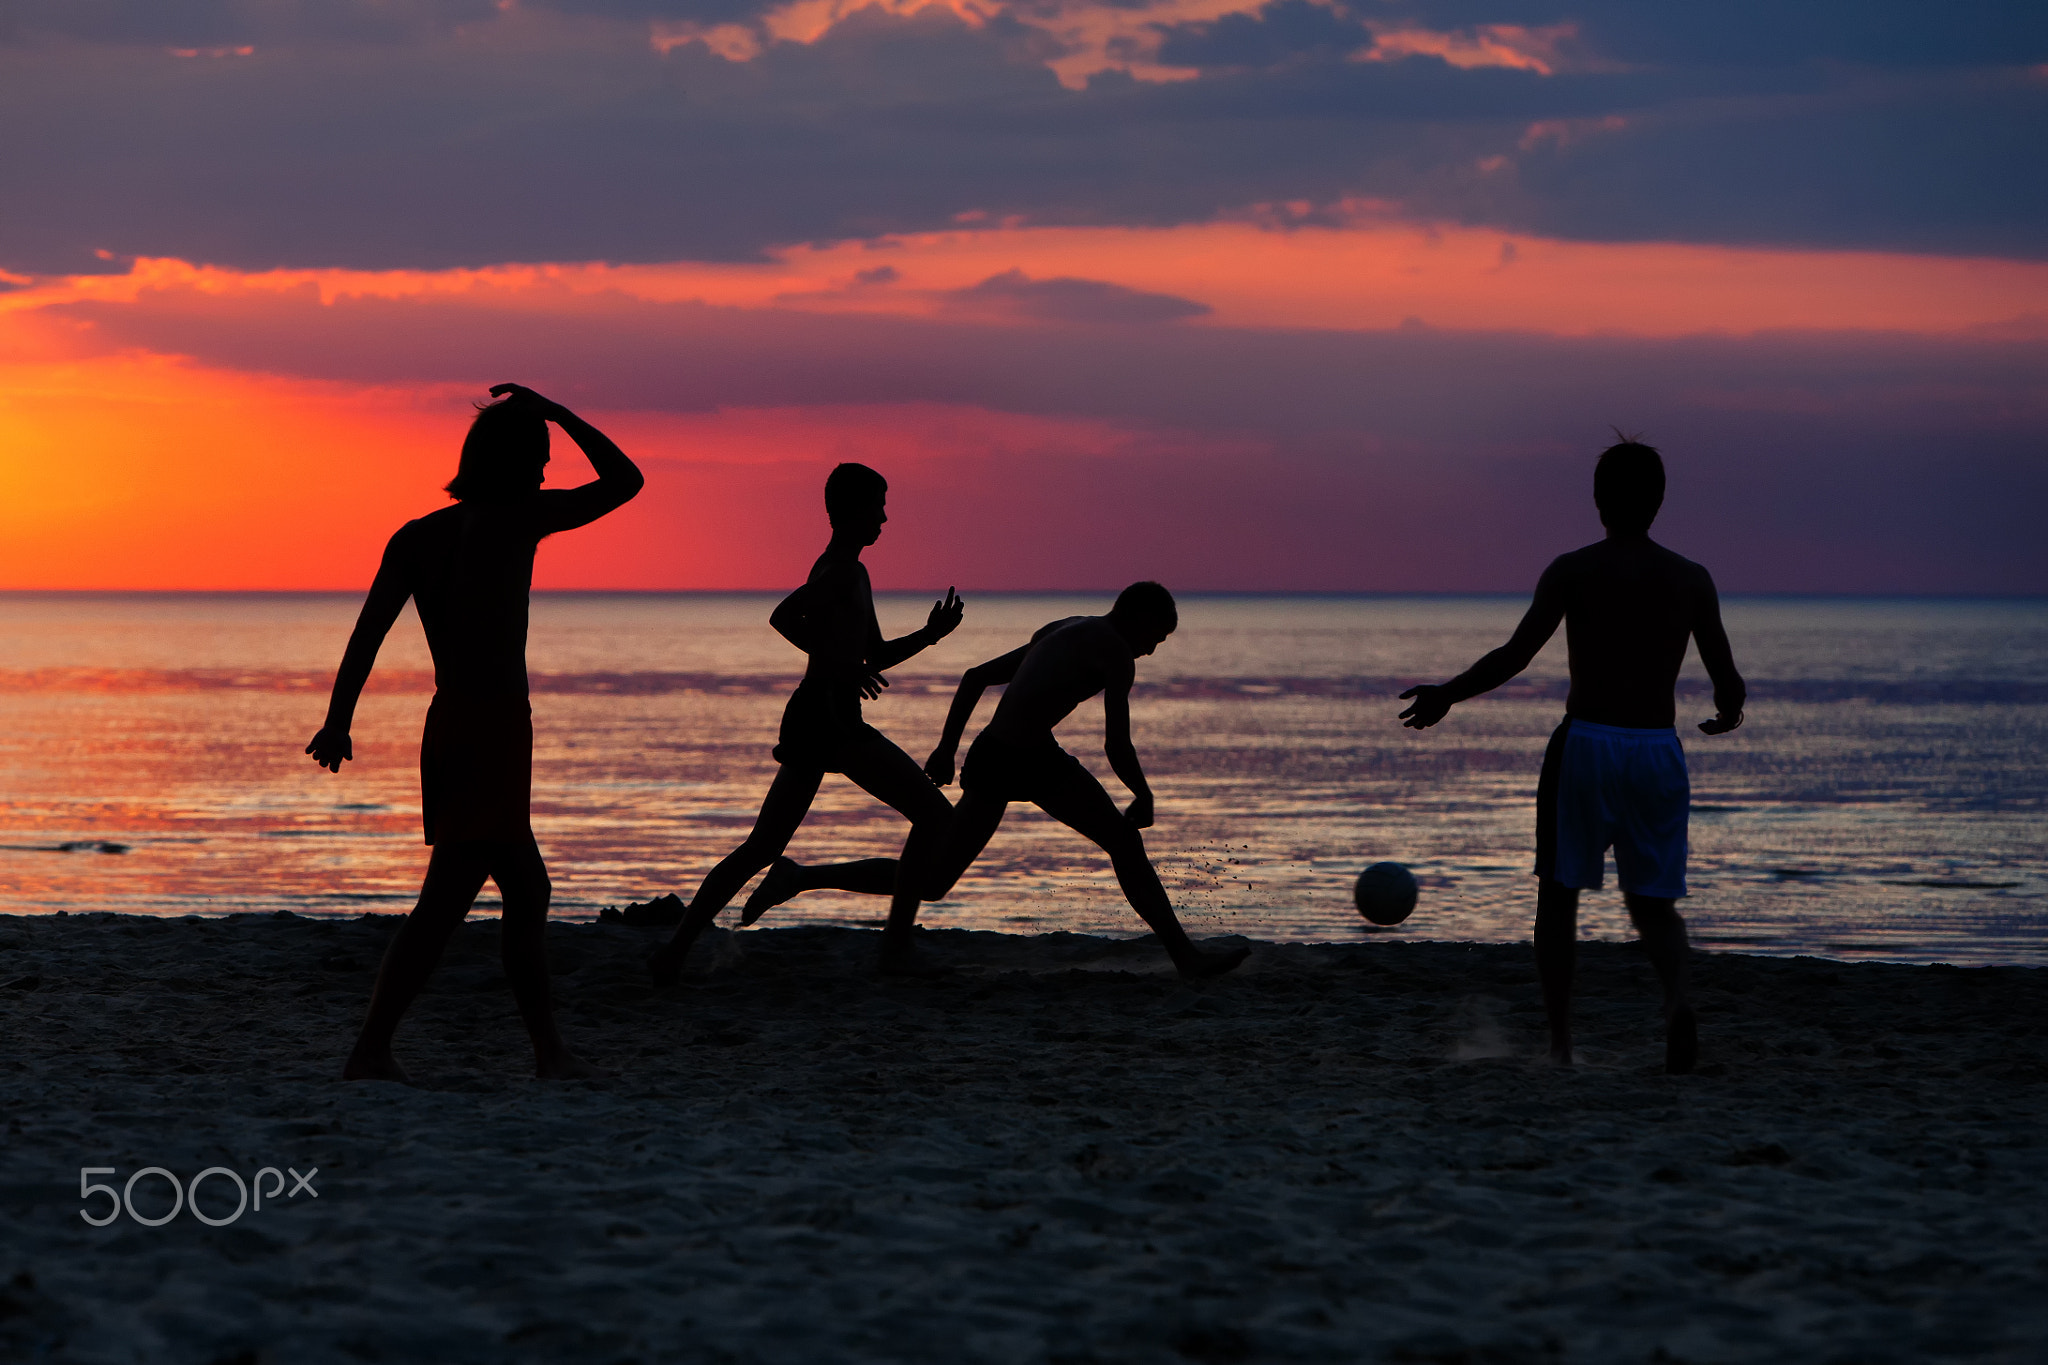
(1058, 1153)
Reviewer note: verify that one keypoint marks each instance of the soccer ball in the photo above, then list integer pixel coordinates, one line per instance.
(1385, 893)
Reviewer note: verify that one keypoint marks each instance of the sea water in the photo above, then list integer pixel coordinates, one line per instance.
(1885, 799)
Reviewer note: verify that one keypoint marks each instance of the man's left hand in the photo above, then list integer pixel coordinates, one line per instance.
(946, 614)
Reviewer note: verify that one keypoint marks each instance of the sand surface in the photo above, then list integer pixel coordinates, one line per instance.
(1060, 1153)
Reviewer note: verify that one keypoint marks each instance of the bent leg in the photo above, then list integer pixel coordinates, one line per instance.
(932, 862)
(892, 777)
(455, 873)
(1557, 950)
(782, 810)
(1662, 930)
(1077, 800)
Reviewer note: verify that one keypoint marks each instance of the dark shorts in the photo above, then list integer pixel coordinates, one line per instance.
(476, 769)
(823, 731)
(1008, 771)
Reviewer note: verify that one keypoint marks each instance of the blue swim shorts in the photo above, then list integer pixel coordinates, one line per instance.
(1604, 787)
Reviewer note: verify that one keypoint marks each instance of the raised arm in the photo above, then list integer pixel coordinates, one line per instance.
(1730, 692)
(388, 592)
(976, 680)
(618, 478)
(1122, 754)
(1539, 623)
(945, 616)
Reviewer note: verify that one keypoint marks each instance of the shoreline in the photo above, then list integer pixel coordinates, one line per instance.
(1059, 1152)
(1707, 940)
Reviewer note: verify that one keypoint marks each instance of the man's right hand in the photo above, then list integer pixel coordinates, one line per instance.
(1431, 706)
(550, 410)
(330, 747)
(1721, 724)
(939, 767)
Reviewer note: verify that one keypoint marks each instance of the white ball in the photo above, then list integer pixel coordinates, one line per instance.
(1385, 893)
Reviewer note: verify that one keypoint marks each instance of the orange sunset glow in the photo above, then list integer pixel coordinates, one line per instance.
(146, 468)
(1216, 281)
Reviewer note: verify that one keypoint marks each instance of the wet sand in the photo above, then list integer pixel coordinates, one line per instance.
(1059, 1153)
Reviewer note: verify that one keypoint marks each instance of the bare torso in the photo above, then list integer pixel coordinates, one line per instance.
(1630, 607)
(469, 569)
(840, 610)
(1070, 661)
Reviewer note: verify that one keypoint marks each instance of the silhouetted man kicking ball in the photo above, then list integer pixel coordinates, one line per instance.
(468, 569)
(1614, 774)
(832, 618)
(1016, 758)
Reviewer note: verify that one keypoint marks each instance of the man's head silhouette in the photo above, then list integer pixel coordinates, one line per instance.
(1145, 615)
(1628, 487)
(504, 454)
(855, 501)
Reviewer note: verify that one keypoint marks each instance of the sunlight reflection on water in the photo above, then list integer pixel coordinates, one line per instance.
(1884, 800)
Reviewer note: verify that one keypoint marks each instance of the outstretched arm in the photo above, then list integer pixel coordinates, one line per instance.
(1730, 692)
(978, 679)
(618, 478)
(1122, 754)
(945, 616)
(388, 592)
(1539, 623)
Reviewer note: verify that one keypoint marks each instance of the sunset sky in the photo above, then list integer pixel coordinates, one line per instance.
(1294, 295)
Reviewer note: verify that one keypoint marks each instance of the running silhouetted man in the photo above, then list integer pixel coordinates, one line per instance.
(832, 619)
(1016, 758)
(468, 569)
(1614, 773)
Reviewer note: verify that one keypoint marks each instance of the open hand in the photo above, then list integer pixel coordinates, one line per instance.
(1721, 724)
(1431, 706)
(946, 615)
(330, 747)
(549, 408)
(871, 685)
(939, 767)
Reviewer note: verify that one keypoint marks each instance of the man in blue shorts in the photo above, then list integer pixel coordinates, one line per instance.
(1614, 774)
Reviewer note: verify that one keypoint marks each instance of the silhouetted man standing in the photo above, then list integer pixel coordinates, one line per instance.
(1016, 758)
(1614, 773)
(469, 568)
(832, 618)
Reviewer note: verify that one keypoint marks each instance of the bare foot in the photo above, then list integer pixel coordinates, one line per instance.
(665, 965)
(1681, 1042)
(374, 1066)
(779, 885)
(1202, 966)
(564, 1065)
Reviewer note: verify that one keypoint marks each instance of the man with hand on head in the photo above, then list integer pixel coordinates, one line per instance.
(1016, 758)
(1614, 773)
(468, 569)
